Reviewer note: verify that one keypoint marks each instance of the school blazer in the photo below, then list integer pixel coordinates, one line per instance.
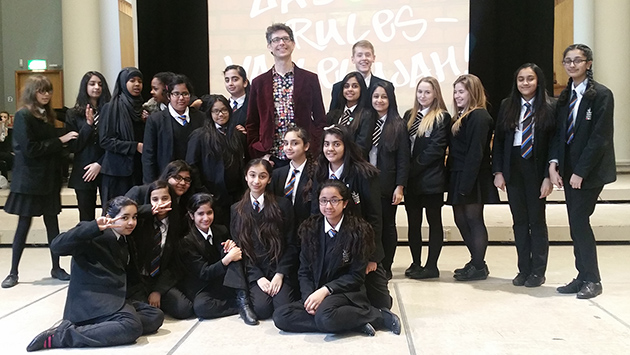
(158, 150)
(239, 117)
(503, 145)
(335, 94)
(427, 170)
(394, 165)
(118, 140)
(301, 208)
(345, 275)
(362, 135)
(592, 151)
(99, 281)
(37, 148)
(86, 151)
(307, 105)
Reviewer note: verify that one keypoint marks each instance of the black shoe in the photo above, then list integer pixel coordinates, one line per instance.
(572, 287)
(473, 274)
(10, 281)
(43, 340)
(244, 308)
(391, 321)
(535, 280)
(520, 279)
(412, 268)
(590, 290)
(60, 274)
(463, 269)
(425, 273)
(367, 329)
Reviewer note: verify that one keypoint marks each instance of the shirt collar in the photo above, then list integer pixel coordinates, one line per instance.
(299, 168)
(328, 227)
(384, 118)
(531, 102)
(163, 106)
(351, 108)
(580, 88)
(207, 236)
(368, 79)
(274, 72)
(425, 111)
(261, 200)
(238, 100)
(176, 115)
(118, 235)
(337, 173)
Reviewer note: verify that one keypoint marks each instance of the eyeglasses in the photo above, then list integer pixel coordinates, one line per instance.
(180, 178)
(45, 92)
(223, 111)
(577, 61)
(285, 39)
(333, 201)
(178, 94)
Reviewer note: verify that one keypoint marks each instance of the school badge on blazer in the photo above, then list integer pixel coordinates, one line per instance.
(345, 256)
(356, 197)
(589, 114)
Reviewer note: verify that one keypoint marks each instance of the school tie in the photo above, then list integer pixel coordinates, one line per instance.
(234, 106)
(333, 177)
(376, 136)
(183, 118)
(256, 206)
(223, 130)
(345, 118)
(571, 121)
(288, 190)
(527, 135)
(415, 125)
(332, 233)
(96, 117)
(157, 249)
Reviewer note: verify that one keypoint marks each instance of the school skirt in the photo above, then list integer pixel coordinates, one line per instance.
(33, 205)
(483, 190)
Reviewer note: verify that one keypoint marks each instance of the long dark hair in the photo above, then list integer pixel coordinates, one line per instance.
(356, 235)
(34, 84)
(590, 91)
(197, 200)
(173, 168)
(360, 112)
(543, 117)
(220, 146)
(83, 99)
(394, 124)
(269, 232)
(311, 164)
(353, 161)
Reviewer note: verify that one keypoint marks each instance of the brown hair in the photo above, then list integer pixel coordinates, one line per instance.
(436, 110)
(38, 84)
(476, 99)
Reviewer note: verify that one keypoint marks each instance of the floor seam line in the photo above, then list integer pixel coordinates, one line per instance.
(403, 314)
(610, 314)
(183, 339)
(32, 303)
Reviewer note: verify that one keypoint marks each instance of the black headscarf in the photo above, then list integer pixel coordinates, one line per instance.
(124, 110)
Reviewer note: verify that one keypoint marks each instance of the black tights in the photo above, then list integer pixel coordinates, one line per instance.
(469, 221)
(436, 234)
(19, 240)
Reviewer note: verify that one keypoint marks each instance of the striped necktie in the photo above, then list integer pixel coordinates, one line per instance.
(333, 177)
(288, 190)
(571, 121)
(256, 206)
(413, 130)
(332, 233)
(183, 118)
(157, 249)
(345, 118)
(376, 136)
(527, 135)
(234, 106)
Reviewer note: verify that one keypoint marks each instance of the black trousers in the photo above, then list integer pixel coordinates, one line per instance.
(215, 301)
(173, 302)
(390, 234)
(377, 289)
(264, 305)
(114, 186)
(337, 313)
(528, 215)
(122, 327)
(86, 201)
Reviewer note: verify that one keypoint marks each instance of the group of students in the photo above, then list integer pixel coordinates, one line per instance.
(308, 240)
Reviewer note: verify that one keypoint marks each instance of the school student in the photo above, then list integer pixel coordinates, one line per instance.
(428, 123)
(262, 226)
(583, 160)
(217, 151)
(351, 110)
(213, 279)
(167, 132)
(341, 160)
(36, 183)
(96, 314)
(520, 154)
(84, 118)
(120, 135)
(155, 268)
(335, 250)
(471, 184)
(389, 152)
(295, 181)
(158, 101)
(237, 84)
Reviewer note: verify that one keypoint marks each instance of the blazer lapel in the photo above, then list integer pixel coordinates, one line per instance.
(585, 104)
(319, 263)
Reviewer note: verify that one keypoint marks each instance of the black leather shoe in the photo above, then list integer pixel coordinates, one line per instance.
(463, 269)
(572, 287)
(590, 290)
(10, 281)
(520, 279)
(412, 268)
(244, 309)
(60, 274)
(367, 329)
(391, 321)
(535, 280)
(43, 340)
(473, 274)
(425, 273)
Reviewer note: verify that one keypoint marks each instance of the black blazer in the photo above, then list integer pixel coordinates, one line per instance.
(99, 281)
(239, 117)
(158, 149)
(362, 134)
(336, 92)
(592, 151)
(394, 164)
(36, 169)
(118, 141)
(202, 261)
(427, 170)
(86, 151)
(301, 208)
(263, 267)
(503, 145)
(345, 275)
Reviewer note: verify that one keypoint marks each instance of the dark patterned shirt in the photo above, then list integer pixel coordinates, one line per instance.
(283, 110)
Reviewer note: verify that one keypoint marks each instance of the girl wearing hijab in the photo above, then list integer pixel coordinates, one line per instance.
(121, 135)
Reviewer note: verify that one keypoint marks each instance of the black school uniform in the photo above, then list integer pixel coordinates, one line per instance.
(361, 131)
(301, 205)
(96, 314)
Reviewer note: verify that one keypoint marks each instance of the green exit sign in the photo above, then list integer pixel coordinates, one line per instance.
(37, 64)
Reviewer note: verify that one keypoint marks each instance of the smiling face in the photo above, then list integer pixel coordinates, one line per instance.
(331, 211)
(43, 97)
(180, 182)
(134, 86)
(526, 83)
(220, 113)
(203, 217)
(179, 98)
(128, 220)
(333, 149)
(576, 71)
(234, 83)
(94, 87)
(363, 58)
(425, 95)
(380, 101)
(461, 96)
(257, 179)
(281, 45)
(160, 197)
(351, 91)
(294, 147)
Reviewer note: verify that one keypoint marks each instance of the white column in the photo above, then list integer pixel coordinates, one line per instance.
(110, 40)
(81, 43)
(610, 67)
(584, 22)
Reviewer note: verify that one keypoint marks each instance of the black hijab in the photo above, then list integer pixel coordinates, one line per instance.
(124, 109)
